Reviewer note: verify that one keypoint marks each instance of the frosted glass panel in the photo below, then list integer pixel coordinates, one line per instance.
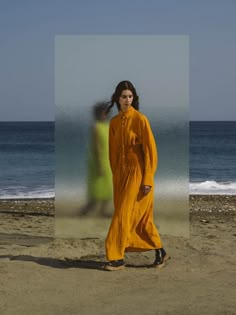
(87, 70)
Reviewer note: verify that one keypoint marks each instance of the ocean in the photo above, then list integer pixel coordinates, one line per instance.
(27, 159)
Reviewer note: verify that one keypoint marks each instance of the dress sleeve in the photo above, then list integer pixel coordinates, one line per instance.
(112, 151)
(150, 154)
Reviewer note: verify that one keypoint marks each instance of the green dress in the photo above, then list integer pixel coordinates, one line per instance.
(99, 172)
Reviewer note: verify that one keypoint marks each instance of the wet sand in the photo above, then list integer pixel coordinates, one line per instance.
(41, 274)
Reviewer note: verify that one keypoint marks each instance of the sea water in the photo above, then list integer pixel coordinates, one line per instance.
(28, 161)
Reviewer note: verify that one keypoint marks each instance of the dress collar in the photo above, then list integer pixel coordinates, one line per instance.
(127, 114)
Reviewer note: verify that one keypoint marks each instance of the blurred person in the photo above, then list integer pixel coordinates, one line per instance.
(133, 160)
(99, 181)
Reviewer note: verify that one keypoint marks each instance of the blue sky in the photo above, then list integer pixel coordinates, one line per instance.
(28, 29)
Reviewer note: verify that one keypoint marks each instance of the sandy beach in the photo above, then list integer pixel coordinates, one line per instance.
(41, 274)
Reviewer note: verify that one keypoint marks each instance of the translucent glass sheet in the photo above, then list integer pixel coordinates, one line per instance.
(87, 70)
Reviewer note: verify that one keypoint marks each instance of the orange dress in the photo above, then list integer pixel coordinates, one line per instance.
(133, 160)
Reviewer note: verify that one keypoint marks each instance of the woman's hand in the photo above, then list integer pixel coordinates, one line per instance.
(146, 189)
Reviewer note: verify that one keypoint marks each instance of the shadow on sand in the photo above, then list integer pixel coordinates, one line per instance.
(66, 262)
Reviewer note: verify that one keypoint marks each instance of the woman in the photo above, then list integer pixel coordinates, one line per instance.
(99, 172)
(133, 160)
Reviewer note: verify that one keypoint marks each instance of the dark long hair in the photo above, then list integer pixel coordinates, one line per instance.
(99, 109)
(123, 85)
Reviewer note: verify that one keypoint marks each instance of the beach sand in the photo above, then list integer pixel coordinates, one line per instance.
(41, 274)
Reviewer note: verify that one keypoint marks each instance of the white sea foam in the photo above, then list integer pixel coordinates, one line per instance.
(212, 188)
(164, 188)
(20, 193)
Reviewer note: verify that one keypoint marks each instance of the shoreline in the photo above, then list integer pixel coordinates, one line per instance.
(53, 198)
(211, 204)
(34, 206)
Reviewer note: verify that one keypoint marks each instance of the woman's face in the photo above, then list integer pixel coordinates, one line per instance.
(125, 100)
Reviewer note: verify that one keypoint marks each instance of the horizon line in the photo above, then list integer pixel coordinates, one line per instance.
(8, 121)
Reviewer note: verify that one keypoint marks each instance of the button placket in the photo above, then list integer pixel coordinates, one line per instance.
(123, 139)
(123, 121)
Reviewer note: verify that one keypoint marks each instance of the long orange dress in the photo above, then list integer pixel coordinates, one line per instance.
(133, 159)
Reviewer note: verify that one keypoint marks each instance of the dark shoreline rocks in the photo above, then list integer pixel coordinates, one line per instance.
(205, 207)
(42, 206)
(220, 208)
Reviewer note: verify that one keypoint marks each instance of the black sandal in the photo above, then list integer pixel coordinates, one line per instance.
(114, 265)
(165, 255)
(161, 258)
